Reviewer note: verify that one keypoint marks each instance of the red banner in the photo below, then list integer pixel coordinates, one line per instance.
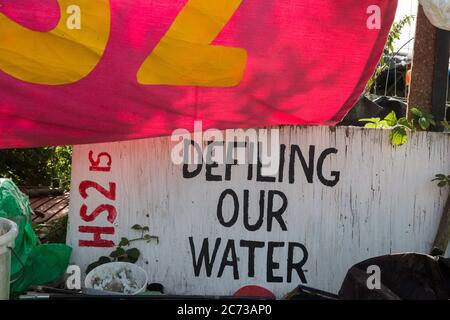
(82, 71)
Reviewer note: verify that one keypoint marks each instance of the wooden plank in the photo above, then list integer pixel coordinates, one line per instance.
(51, 208)
(36, 203)
(383, 202)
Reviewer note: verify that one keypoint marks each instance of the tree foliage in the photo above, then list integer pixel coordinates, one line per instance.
(421, 121)
(389, 51)
(37, 167)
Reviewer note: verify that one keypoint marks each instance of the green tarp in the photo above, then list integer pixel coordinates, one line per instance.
(43, 263)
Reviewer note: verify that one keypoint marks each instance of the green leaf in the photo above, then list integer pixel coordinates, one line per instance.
(416, 112)
(372, 120)
(391, 46)
(99, 262)
(404, 122)
(442, 184)
(371, 126)
(146, 229)
(399, 136)
(148, 237)
(391, 119)
(136, 227)
(117, 253)
(104, 260)
(424, 123)
(428, 115)
(124, 242)
(440, 176)
(383, 124)
(133, 254)
(126, 259)
(445, 124)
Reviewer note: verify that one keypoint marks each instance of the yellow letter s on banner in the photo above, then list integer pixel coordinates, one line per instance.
(62, 56)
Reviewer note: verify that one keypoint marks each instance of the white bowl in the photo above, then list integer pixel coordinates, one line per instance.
(108, 272)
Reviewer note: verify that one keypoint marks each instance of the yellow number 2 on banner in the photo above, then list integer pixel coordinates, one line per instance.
(64, 55)
(185, 55)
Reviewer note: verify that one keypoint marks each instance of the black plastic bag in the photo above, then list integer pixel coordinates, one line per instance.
(408, 276)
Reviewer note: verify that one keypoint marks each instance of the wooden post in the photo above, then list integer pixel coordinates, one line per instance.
(443, 235)
(439, 97)
(421, 90)
(440, 78)
(428, 91)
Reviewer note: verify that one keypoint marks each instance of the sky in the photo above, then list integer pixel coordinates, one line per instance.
(406, 7)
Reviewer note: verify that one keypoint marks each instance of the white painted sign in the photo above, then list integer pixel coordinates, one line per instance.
(341, 195)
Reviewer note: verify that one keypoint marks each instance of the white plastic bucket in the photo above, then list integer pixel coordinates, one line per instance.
(8, 234)
(138, 275)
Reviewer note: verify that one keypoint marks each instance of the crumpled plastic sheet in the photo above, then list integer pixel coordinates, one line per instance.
(438, 12)
(43, 263)
(405, 276)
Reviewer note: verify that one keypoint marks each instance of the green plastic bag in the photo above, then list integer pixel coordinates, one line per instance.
(43, 263)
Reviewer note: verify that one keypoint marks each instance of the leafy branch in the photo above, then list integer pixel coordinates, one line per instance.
(389, 50)
(443, 180)
(421, 121)
(122, 252)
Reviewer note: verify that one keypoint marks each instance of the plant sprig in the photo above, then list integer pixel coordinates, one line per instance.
(389, 51)
(399, 127)
(421, 121)
(125, 255)
(442, 180)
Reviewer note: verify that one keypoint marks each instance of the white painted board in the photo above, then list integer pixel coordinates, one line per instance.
(384, 202)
